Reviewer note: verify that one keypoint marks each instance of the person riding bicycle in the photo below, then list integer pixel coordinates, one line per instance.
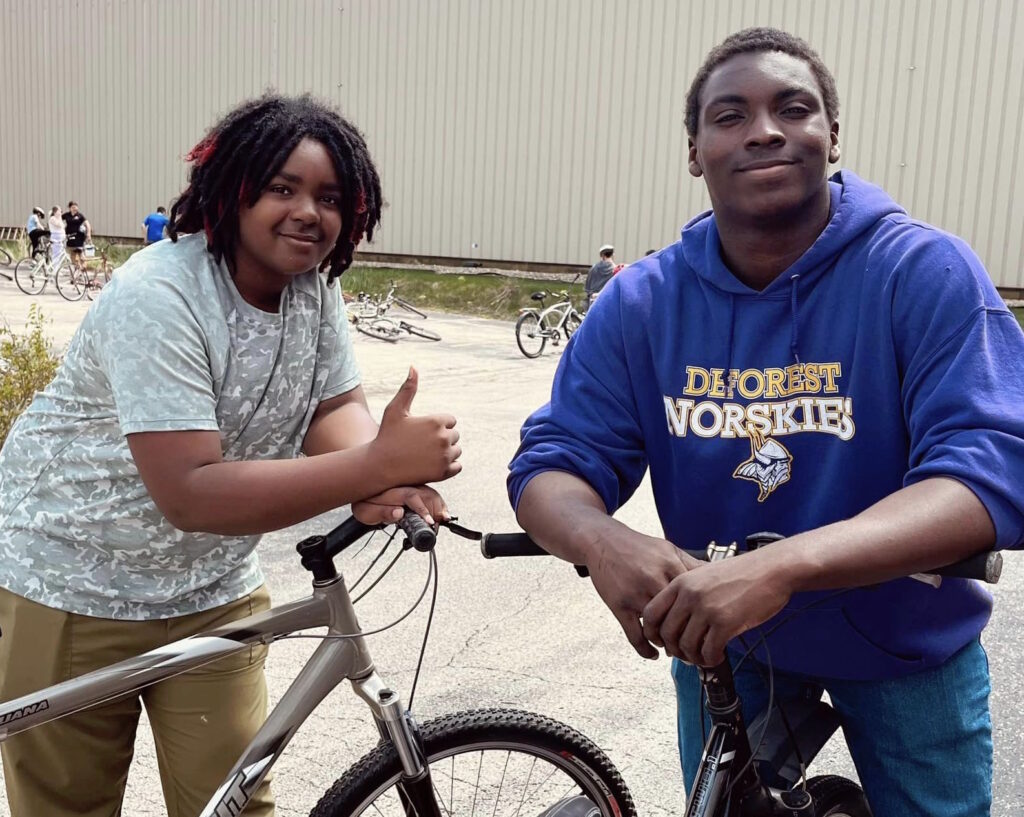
(806, 359)
(134, 489)
(37, 228)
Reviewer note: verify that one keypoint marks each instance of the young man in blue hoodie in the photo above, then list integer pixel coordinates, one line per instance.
(810, 360)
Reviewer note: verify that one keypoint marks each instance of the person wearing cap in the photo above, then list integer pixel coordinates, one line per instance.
(37, 228)
(601, 273)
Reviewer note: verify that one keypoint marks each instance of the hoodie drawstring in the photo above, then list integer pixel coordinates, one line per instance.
(794, 339)
(732, 343)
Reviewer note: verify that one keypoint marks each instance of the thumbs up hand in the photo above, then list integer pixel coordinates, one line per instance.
(414, 450)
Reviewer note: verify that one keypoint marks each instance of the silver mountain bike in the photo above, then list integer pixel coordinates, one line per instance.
(488, 761)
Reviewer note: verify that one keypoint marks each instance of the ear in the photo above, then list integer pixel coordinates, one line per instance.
(695, 169)
(833, 151)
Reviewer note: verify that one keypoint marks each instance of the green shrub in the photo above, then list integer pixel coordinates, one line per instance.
(27, 364)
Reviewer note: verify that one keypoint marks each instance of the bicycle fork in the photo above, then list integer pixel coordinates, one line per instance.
(396, 726)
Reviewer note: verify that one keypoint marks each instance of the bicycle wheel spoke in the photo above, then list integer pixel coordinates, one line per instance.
(526, 787)
(501, 783)
(440, 799)
(479, 765)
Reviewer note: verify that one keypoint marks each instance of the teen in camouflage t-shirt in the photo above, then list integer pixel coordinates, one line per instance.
(135, 487)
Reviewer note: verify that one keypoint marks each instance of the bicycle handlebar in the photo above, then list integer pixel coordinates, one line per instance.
(986, 567)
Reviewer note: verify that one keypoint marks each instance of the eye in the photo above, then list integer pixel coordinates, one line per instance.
(331, 199)
(280, 189)
(726, 118)
(798, 110)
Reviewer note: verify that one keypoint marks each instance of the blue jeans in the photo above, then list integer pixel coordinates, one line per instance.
(922, 744)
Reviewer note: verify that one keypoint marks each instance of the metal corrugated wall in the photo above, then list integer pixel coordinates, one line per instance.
(529, 130)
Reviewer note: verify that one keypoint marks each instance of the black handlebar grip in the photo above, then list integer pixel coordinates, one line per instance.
(495, 545)
(418, 532)
(987, 567)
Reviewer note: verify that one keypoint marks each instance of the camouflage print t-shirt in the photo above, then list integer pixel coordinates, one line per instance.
(169, 346)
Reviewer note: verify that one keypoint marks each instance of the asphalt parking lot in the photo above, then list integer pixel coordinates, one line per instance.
(523, 633)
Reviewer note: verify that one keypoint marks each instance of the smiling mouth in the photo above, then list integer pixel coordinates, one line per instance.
(765, 165)
(305, 239)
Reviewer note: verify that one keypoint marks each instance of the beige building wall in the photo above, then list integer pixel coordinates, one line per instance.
(529, 130)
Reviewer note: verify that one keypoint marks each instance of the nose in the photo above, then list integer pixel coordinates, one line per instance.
(764, 131)
(304, 210)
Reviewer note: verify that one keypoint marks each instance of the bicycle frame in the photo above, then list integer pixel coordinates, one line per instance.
(564, 309)
(334, 660)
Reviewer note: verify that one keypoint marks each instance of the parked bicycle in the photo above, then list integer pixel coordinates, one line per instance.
(537, 325)
(489, 761)
(780, 743)
(91, 277)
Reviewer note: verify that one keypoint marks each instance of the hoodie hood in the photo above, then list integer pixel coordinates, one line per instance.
(857, 206)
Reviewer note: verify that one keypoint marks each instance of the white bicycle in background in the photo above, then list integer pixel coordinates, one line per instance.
(537, 325)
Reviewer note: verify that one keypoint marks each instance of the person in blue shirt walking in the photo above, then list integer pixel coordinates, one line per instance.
(806, 359)
(154, 225)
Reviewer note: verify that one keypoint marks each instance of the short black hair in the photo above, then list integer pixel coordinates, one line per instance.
(751, 41)
(239, 156)
(72, 204)
(161, 209)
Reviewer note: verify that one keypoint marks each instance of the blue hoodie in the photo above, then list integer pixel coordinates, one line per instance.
(882, 357)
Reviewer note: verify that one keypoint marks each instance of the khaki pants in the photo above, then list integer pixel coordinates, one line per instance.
(78, 765)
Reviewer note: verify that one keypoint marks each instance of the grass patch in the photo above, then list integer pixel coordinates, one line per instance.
(17, 249)
(1018, 311)
(490, 296)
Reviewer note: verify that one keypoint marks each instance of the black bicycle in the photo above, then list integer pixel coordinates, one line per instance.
(779, 744)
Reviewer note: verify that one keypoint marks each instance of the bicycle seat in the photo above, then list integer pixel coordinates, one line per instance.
(538, 296)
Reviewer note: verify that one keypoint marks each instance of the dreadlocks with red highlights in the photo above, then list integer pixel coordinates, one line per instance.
(236, 160)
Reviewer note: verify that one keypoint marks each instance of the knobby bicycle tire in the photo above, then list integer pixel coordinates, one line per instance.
(30, 276)
(836, 796)
(528, 329)
(408, 307)
(419, 331)
(71, 283)
(370, 784)
(376, 331)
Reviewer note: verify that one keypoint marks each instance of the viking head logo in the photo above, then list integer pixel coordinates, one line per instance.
(768, 466)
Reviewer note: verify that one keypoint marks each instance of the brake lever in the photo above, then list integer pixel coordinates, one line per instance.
(459, 530)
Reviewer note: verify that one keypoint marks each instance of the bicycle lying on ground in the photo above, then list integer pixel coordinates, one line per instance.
(489, 761)
(366, 306)
(537, 325)
(779, 744)
(370, 317)
(389, 329)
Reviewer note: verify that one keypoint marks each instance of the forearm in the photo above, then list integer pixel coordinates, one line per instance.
(919, 528)
(565, 516)
(347, 426)
(240, 498)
